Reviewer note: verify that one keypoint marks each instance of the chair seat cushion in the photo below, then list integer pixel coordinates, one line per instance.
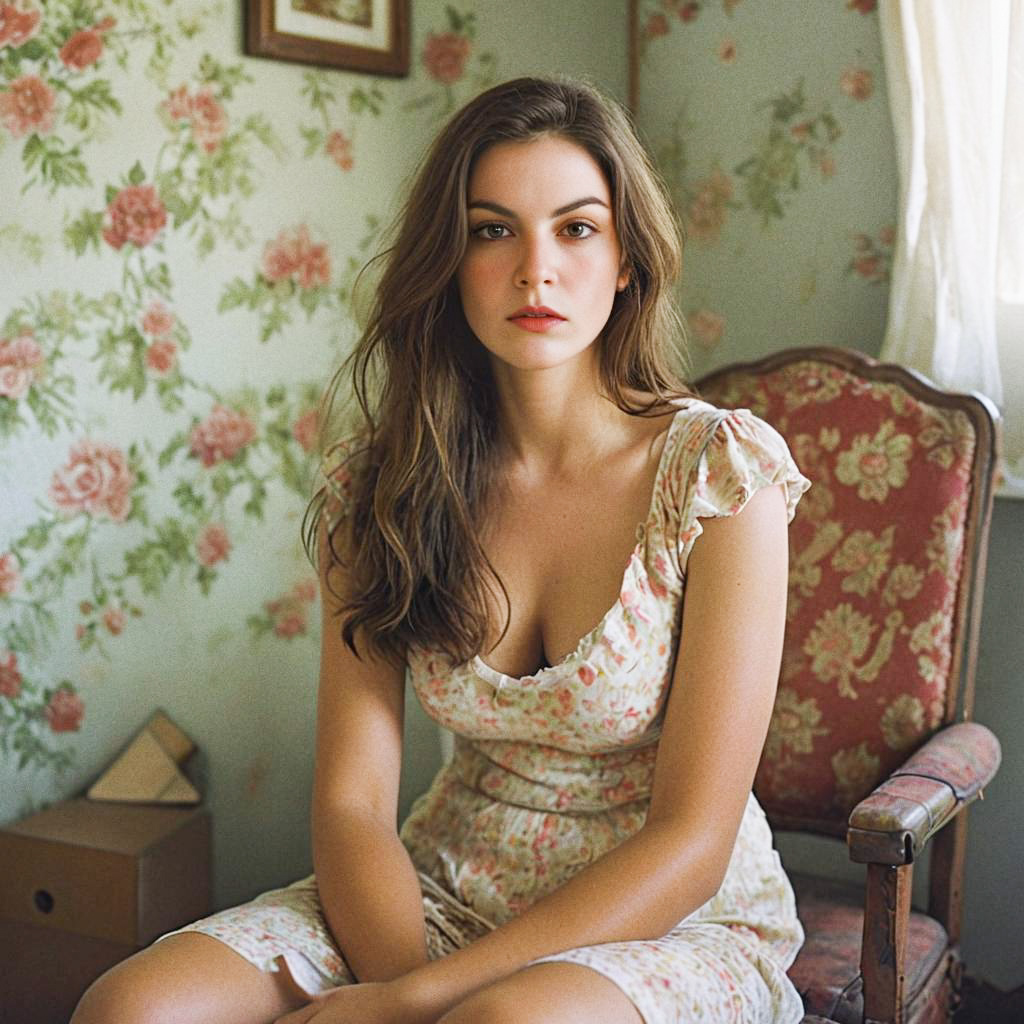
(826, 973)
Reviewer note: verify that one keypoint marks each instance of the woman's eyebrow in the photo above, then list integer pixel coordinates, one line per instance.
(504, 211)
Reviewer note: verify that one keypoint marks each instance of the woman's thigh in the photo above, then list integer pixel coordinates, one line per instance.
(554, 993)
(189, 977)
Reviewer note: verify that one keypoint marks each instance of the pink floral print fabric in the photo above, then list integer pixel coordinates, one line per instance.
(552, 770)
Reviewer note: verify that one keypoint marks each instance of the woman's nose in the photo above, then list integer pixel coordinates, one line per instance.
(536, 263)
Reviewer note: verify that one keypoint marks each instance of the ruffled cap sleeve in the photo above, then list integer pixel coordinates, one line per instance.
(742, 455)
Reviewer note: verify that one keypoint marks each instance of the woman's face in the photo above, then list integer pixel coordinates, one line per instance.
(543, 260)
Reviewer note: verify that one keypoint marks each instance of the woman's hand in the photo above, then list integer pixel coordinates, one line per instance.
(374, 1002)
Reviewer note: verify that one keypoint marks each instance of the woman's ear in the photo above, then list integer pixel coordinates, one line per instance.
(623, 281)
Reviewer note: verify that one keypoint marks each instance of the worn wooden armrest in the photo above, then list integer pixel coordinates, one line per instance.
(892, 824)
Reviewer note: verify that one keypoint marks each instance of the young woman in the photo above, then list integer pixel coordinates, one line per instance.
(512, 525)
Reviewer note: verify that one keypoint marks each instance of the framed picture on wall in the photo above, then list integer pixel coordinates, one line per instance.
(358, 35)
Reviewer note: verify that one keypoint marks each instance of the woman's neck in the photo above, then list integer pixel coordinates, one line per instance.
(556, 420)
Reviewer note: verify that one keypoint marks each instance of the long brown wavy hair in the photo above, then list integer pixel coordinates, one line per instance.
(420, 471)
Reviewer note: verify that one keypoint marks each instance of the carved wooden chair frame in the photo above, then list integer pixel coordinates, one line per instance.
(926, 798)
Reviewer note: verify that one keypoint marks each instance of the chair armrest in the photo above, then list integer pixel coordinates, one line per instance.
(892, 824)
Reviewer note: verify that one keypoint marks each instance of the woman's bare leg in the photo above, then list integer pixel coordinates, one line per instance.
(189, 977)
(549, 993)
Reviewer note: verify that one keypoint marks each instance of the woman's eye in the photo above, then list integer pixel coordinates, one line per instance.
(490, 232)
(578, 229)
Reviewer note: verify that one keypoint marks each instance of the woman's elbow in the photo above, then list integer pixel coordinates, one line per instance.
(696, 868)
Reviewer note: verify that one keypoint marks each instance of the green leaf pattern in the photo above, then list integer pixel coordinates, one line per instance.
(772, 131)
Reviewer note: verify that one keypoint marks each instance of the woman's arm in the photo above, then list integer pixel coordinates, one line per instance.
(368, 887)
(716, 720)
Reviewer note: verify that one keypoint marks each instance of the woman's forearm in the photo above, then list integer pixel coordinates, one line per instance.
(639, 890)
(370, 894)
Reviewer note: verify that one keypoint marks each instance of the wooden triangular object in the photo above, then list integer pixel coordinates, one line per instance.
(170, 737)
(147, 770)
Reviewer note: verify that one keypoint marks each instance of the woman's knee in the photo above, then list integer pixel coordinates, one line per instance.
(521, 998)
(124, 994)
(496, 1005)
(547, 993)
(188, 977)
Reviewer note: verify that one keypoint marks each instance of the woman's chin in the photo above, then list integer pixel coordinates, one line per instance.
(542, 355)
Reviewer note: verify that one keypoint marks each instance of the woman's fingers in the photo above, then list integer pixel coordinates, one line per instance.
(314, 1003)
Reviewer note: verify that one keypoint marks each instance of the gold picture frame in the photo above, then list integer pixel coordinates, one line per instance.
(357, 35)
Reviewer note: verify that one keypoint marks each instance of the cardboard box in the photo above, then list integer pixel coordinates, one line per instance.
(85, 884)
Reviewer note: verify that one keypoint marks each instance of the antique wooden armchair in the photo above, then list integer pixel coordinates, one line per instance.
(871, 737)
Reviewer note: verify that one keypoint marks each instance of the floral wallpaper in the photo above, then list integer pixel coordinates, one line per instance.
(181, 231)
(771, 124)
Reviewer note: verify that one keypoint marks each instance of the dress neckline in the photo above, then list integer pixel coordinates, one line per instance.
(500, 679)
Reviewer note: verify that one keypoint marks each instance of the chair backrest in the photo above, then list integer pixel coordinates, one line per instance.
(886, 562)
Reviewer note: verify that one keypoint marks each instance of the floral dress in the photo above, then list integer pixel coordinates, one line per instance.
(552, 770)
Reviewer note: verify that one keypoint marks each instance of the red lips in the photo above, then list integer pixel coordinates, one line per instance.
(536, 318)
(536, 311)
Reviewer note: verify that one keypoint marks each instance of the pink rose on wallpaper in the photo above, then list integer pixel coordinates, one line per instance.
(161, 357)
(339, 149)
(179, 104)
(82, 49)
(65, 711)
(305, 430)
(17, 26)
(862, 6)
(315, 267)
(857, 83)
(289, 617)
(134, 215)
(727, 51)
(688, 11)
(113, 619)
(28, 105)
(706, 213)
(294, 253)
(866, 266)
(95, 480)
(289, 613)
(20, 360)
(158, 319)
(280, 258)
(10, 677)
(445, 56)
(213, 544)
(222, 435)
(10, 578)
(657, 25)
(869, 262)
(801, 131)
(209, 121)
(707, 327)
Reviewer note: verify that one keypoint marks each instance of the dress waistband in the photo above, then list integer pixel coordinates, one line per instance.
(548, 779)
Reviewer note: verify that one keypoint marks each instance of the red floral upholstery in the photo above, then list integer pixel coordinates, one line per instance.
(875, 552)
(827, 974)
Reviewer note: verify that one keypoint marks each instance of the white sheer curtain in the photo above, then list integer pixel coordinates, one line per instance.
(955, 74)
